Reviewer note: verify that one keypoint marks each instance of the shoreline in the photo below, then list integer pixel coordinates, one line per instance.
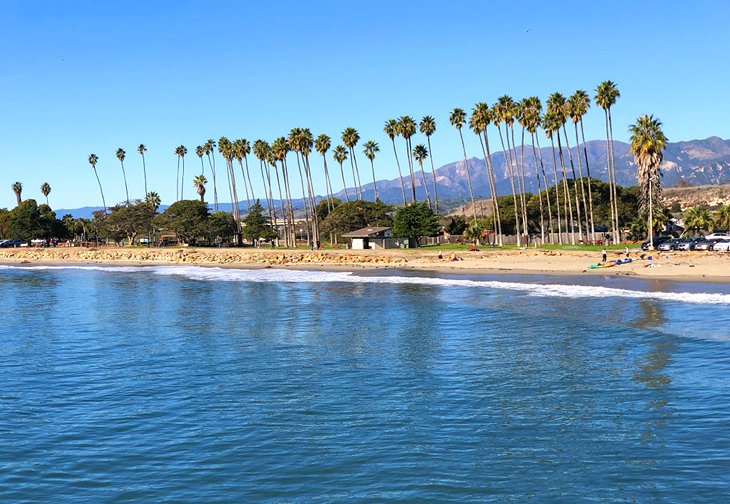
(679, 267)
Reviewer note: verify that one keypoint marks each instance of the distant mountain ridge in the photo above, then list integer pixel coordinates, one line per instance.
(696, 162)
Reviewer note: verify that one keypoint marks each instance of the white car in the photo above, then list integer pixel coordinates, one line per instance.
(719, 235)
(722, 246)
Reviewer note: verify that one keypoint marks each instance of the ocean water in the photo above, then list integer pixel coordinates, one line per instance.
(184, 384)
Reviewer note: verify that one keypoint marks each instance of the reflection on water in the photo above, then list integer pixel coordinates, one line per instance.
(163, 387)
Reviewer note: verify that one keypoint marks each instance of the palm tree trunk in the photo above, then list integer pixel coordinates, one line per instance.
(304, 201)
(215, 184)
(290, 203)
(582, 185)
(520, 181)
(327, 184)
(508, 161)
(557, 192)
(566, 193)
(575, 186)
(492, 191)
(344, 184)
(354, 177)
(410, 169)
(425, 184)
(375, 187)
(588, 173)
(243, 175)
(177, 181)
(650, 224)
(281, 204)
(468, 176)
(100, 190)
(495, 195)
(357, 171)
(182, 179)
(400, 172)
(524, 187)
(124, 174)
(144, 171)
(610, 175)
(547, 187)
(312, 200)
(617, 237)
(539, 189)
(433, 172)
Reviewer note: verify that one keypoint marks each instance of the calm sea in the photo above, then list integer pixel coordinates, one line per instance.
(181, 384)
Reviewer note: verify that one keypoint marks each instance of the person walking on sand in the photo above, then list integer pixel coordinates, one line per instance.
(627, 252)
(603, 253)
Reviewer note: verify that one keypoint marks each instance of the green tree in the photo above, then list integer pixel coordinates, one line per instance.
(24, 221)
(322, 145)
(420, 153)
(607, 94)
(220, 225)
(723, 217)
(199, 182)
(415, 221)
(698, 219)
(647, 145)
(340, 155)
(153, 200)
(350, 137)
(142, 149)
(356, 215)
(255, 225)
(427, 126)
(186, 218)
(406, 129)
(130, 220)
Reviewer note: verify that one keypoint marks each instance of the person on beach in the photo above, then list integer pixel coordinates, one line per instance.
(627, 252)
(605, 256)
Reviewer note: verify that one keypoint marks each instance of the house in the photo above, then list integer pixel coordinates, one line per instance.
(376, 238)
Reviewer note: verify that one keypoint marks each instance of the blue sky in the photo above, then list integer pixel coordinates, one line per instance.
(81, 77)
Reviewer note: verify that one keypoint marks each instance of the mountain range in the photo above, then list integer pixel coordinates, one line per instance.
(693, 162)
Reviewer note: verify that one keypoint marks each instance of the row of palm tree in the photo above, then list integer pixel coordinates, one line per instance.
(569, 213)
(17, 188)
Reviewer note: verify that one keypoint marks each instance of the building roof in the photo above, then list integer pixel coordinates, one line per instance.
(366, 232)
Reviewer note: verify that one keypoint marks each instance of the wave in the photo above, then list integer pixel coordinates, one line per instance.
(302, 276)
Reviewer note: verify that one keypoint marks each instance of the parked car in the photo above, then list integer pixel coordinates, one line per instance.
(718, 235)
(658, 240)
(722, 246)
(672, 244)
(12, 243)
(705, 244)
(689, 243)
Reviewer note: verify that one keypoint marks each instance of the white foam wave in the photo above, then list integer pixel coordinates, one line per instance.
(302, 276)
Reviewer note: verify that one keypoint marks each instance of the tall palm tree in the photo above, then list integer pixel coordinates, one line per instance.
(18, 190)
(391, 129)
(647, 144)
(340, 155)
(606, 96)
(306, 142)
(370, 148)
(261, 150)
(556, 107)
(46, 190)
(322, 145)
(225, 147)
(279, 150)
(510, 112)
(120, 156)
(578, 104)
(142, 149)
(502, 112)
(295, 144)
(564, 113)
(200, 152)
(427, 126)
(240, 146)
(153, 199)
(530, 120)
(406, 129)
(480, 119)
(457, 118)
(93, 159)
(549, 126)
(350, 137)
(243, 149)
(183, 152)
(199, 182)
(210, 154)
(420, 153)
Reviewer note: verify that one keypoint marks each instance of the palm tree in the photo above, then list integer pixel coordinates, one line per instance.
(510, 111)
(350, 137)
(261, 150)
(564, 112)
(120, 156)
(391, 129)
(238, 153)
(578, 105)
(322, 145)
(556, 107)
(427, 126)
(279, 150)
(142, 149)
(153, 199)
(549, 126)
(370, 148)
(93, 159)
(306, 142)
(243, 149)
(406, 129)
(480, 119)
(340, 155)
(606, 96)
(18, 189)
(46, 190)
(225, 147)
(210, 153)
(419, 154)
(647, 144)
(698, 219)
(200, 152)
(722, 220)
(502, 111)
(199, 182)
(183, 152)
(530, 121)
(296, 144)
(457, 120)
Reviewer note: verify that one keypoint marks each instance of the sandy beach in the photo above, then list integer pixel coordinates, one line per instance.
(680, 266)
